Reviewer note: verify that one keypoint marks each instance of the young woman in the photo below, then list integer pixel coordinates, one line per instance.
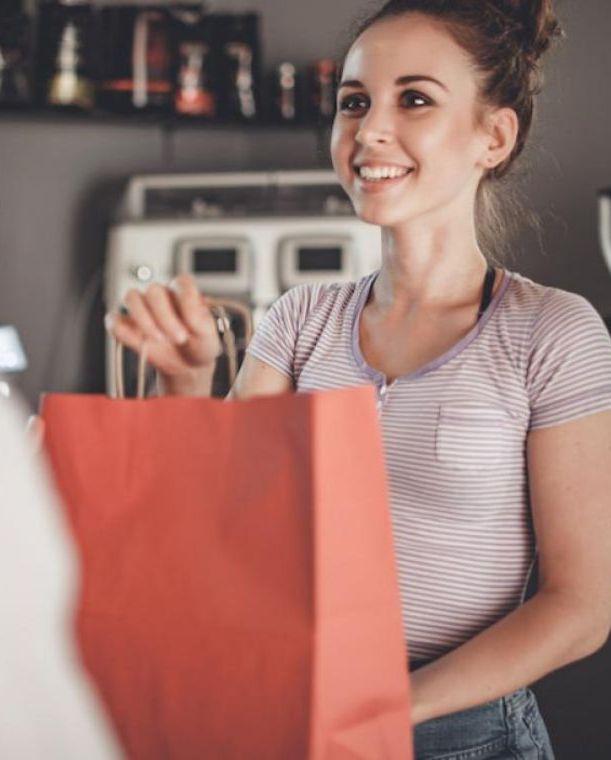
(494, 391)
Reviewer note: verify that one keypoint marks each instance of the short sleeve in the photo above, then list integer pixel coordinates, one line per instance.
(569, 363)
(275, 339)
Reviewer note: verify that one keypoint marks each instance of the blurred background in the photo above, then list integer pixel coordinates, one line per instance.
(97, 100)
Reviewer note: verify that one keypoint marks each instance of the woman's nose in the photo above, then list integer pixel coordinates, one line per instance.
(374, 132)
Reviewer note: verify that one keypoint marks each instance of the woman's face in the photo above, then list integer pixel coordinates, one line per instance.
(391, 120)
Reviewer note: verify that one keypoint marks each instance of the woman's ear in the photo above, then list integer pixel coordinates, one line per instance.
(502, 128)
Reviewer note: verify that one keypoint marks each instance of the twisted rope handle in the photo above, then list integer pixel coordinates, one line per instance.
(219, 308)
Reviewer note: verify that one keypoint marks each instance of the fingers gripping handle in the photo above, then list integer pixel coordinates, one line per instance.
(219, 309)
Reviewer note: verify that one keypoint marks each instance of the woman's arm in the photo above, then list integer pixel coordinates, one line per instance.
(569, 618)
(256, 378)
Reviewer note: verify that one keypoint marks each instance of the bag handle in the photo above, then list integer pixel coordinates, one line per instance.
(119, 381)
(219, 308)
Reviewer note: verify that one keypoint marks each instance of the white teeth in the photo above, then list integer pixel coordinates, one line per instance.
(382, 172)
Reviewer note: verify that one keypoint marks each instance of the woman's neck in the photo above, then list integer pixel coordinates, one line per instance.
(426, 271)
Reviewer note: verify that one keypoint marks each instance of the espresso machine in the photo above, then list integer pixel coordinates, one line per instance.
(246, 237)
(604, 219)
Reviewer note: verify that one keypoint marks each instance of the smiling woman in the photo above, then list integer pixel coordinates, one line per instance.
(494, 391)
(500, 43)
(484, 388)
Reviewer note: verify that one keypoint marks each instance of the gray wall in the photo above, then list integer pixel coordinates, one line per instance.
(59, 181)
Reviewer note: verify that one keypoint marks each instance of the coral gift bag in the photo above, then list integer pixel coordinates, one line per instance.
(239, 596)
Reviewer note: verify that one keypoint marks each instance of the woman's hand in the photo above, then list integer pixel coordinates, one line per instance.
(176, 323)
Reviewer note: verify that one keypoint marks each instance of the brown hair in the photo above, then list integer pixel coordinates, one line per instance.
(505, 39)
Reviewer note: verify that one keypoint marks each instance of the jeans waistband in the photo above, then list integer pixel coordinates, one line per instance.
(517, 700)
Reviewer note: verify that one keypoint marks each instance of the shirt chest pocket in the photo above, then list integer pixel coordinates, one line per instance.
(471, 435)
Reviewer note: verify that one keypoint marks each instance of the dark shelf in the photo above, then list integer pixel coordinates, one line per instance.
(163, 121)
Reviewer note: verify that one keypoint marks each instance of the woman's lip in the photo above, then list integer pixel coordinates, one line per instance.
(378, 186)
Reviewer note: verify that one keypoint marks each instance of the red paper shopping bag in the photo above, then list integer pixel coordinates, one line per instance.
(239, 597)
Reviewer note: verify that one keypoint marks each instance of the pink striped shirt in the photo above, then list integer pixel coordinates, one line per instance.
(454, 434)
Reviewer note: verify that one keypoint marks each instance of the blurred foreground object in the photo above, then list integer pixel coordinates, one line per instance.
(46, 707)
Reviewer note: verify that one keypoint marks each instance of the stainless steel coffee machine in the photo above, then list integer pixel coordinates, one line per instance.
(247, 237)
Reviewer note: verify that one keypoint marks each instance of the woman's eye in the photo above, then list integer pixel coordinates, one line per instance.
(353, 103)
(414, 98)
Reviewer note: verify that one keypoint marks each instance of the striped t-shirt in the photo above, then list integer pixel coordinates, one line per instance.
(454, 435)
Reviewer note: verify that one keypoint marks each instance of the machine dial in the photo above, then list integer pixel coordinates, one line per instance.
(142, 272)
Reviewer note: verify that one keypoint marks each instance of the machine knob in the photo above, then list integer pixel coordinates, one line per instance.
(142, 273)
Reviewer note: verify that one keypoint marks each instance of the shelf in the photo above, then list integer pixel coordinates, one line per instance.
(162, 121)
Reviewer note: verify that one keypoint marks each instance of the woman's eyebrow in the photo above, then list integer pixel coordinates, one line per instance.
(408, 79)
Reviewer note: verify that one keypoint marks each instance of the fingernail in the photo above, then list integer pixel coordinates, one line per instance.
(109, 321)
(181, 337)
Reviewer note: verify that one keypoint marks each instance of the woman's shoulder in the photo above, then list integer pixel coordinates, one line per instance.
(546, 300)
(565, 350)
(551, 311)
(304, 299)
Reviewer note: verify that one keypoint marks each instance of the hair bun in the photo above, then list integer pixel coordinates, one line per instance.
(538, 22)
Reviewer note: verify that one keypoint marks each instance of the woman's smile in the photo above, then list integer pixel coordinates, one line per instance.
(379, 179)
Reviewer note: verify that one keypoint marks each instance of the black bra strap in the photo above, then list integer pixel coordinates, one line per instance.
(487, 294)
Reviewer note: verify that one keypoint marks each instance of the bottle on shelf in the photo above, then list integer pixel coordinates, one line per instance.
(65, 65)
(68, 87)
(237, 42)
(284, 97)
(167, 59)
(14, 45)
(323, 89)
(136, 60)
(195, 86)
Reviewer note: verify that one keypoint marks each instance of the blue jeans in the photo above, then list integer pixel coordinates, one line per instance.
(509, 728)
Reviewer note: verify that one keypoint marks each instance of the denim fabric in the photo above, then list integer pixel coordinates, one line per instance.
(509, 728)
